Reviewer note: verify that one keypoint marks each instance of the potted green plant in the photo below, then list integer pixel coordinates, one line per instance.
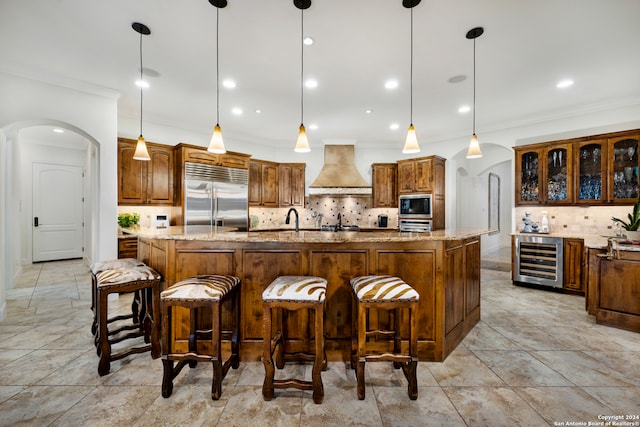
(633, 224)
(127, 220)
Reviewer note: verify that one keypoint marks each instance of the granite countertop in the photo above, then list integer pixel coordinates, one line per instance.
(593, 241)
(309, 236)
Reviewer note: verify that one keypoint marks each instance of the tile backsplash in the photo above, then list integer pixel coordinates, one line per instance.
(574, 219)
(321, 210)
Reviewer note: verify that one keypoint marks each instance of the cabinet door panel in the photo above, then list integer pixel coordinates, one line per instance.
(424, 176)
(528, 177)
(160, 176)
(558, 175)
(623, 169)
(591, 172)
(131, 176)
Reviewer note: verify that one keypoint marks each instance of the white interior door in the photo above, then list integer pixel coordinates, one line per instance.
(57, 212)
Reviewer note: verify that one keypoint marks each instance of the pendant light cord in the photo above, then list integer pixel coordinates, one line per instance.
(301, 66)
(411, 74)
(217, 66)
(474, 86)
(140, 84)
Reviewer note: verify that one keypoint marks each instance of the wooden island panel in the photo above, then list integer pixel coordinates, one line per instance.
(446, 274)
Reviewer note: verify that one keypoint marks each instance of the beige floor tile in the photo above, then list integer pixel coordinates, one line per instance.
(463, 368)
(484, 337)
(246, 407)
(431, 408)
(41, 405)
(493, 406)
(519, 368)
(582, 369)
(341, 407)
(621, 400)
(562, 404)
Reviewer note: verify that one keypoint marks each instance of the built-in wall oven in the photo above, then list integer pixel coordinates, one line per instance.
(415, 212)
(538, 260)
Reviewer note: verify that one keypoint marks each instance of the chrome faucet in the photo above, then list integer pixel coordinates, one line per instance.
(286, 221)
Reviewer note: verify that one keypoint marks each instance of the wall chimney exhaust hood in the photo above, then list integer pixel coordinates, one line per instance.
(339, 175)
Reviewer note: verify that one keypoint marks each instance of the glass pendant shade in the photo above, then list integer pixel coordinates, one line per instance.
(141, 152)
(474, 151)
(302, 143)
(216, 145)
(411, 142)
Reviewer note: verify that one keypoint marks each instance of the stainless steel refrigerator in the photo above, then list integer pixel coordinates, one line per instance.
(216, 196)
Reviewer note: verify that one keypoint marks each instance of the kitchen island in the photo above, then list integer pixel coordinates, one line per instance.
(443, 266)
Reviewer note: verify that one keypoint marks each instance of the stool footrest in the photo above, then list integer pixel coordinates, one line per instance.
(130, 351)
(387, 357)
(380, 334)
(293, 383)
(296, 357)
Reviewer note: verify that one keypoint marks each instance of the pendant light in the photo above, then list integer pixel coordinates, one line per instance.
(141, 152)
(302, 143)
(411, 141)
(474, 151)
(216, 145)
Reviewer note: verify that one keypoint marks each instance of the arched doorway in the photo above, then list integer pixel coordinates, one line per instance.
(34, 142)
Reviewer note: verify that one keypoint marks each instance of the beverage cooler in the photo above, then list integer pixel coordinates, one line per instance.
(538, 260)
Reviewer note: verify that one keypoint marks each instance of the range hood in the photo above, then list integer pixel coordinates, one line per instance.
(339, 175)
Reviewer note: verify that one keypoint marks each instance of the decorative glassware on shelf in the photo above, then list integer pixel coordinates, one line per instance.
(557, 175)
(625, 169)
(590, 159)
(529, 179)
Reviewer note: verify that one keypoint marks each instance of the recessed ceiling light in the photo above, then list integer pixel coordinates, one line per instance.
(464, 109)
(258, 111)
(391, 84)
(142, 83)
(58, 130)
(311, 83)
(237, 111)
(307, 40)
(564, 83)
(368, 111)
(313, 126)
(229, 84)
(394, 126)
(457, 79)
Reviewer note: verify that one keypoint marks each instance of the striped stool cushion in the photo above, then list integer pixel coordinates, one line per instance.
(382, 288)
(119, 276)
(100, 266)
(296, 288)
(201, 288)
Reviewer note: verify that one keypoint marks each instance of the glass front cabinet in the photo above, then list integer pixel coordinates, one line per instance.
(623, 167)
(591, 172)
(528, 175)
(558, 175)
(602, 169)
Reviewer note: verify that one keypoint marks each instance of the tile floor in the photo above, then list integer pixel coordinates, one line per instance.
(535, 359)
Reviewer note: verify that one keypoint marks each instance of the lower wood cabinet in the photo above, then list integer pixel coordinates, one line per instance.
(573, 262)
(128, 247)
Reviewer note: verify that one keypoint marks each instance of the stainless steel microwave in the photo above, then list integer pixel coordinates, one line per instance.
(415, 206)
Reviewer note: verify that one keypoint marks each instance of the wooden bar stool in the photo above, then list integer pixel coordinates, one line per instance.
(391, 294)
(100, 266)
(204, 345)
(142, 279)
(293, 293)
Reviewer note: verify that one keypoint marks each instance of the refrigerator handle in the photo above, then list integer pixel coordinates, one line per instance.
(215, 207)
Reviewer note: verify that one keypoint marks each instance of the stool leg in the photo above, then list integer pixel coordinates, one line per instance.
(354, 332)
(397, 340)
(156, 348)
(235, 334)
(216, 384)
(193, 335)
(320, 359)
(267, 358)
(362, 339)
(167, 378)
(104, 365)
(413, 352)
(278, 350)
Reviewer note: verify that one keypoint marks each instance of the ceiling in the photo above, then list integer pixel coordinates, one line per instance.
(527, 47)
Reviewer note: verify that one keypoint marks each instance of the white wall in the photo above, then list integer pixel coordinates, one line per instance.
(91, 112)
(4, 261)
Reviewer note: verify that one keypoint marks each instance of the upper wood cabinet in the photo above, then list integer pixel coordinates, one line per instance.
(385, 188)
(421, 175)
(599, 169)
(291, 184)
(145, 182)
(196, 154)
(263, 183)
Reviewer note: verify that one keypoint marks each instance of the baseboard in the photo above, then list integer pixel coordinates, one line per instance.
(3, 308)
